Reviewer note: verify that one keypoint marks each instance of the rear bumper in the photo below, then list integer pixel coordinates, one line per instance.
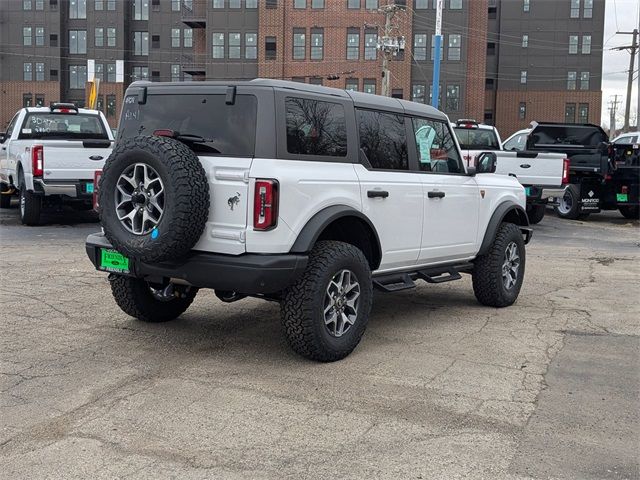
(73, 188)
(248, 274)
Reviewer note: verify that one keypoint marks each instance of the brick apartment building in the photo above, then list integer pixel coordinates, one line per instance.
(505, 62)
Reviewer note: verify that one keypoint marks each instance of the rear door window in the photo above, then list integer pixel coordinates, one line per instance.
(477, 139)
(517, 143)
(383, 139)
(315, 127)
(204, 122)
(63, 126)
(437, 151)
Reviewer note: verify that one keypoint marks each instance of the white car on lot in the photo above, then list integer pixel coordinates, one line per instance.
(301, 194)
(48, 156)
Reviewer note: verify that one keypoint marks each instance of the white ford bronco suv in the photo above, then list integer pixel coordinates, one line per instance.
(301, 194)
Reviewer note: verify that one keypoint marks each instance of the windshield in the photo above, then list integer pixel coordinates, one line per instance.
(204, 122)
(63, 126)
(477, 139)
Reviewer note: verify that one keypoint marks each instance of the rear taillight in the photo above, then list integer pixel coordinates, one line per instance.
(37, 160)
(97, 175)
(624, 189)
(265, 204)
(565, 171)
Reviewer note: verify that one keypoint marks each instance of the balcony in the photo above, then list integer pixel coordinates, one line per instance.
(194, 64)
(194, 13)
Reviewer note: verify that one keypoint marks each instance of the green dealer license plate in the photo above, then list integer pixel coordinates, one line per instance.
(89, 188)
(113, 261)
(622, 197)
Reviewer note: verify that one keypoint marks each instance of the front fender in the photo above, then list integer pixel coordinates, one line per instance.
(510, 211)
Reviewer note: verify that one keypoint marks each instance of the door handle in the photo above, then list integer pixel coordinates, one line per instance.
(435, 194)
(525, 165)
(377, 193)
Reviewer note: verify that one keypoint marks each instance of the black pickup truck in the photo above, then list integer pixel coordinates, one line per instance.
(602, 176)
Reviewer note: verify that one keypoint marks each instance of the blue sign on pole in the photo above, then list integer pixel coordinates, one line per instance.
(435, 95)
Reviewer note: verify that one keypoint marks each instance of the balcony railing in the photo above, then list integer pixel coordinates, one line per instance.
(194, 13)
(194, 63)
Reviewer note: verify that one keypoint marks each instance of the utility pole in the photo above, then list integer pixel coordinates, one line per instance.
(613, 109)
(633, 48)
(437, 45)
(388, 45)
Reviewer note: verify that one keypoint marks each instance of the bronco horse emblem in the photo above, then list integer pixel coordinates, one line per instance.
(233, 201)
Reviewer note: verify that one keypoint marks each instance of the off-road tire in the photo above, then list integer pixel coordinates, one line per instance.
(134, 297)
(488, 285)
(573, 213)
(536, 213)
(186, 202)
(29, 207)
(630, 211)
(302, 303)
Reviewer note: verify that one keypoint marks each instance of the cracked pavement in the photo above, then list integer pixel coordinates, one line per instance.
(440, 386)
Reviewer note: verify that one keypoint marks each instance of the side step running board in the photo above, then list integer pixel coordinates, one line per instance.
(439, 276)
(394, 282)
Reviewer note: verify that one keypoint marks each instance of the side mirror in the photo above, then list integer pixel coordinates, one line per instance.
(3, 137)
(471, 171)
(486, 162)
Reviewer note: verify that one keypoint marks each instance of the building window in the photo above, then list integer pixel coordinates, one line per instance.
(587, 12)
(571, 80)
(155, 41)
(53, 74)
(439, 95)
(27, 39)
(489, 83)
(98, 71)
(175, 37)
(351, 84)
(433, 47)
(234, 45)
(98, 5)
(218, 45)
(523, 76)
(584, 80)
(39, 100)
(111, 105)
(234, 3)
(111, 5)
(420, 46)
(39, 4)
(573, 44)
(187, 33)
(175, 73)
(299, 3)
(27, 70)
(586, 44)
(272, 3)
(39, 36)
(455, 4)
(370, 45)
(40, 72)
(353, 4)
(454, 47)
(299, 43)
(421, 4)
(141, 9)
(141, 43)
(526, 5)
(317, 43)
(396, 93)
(488, 117)
(175, 5)
(371, 4)
(77, 8)
(525, 40)
(575, 9)
(99, 37)
(53, 40)
(522, 110)
(369, 85)
(26, 4)
(270, 48)
(353, 44)
(140, 73)
(317, 3)
(315, 80)
(77, 76)
(100, 103)
(27, 100)
(418, 93)
(218, 3)
(111, 37)
(111, 72)
(453, 98)
(78, 41)
(251, 4)
(570, 113)
(491, 49)
(583, 113)
(251, 46)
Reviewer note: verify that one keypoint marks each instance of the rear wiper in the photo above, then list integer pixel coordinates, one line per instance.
(186, 137)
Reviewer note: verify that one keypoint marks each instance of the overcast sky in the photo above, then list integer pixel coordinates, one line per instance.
(620, 15)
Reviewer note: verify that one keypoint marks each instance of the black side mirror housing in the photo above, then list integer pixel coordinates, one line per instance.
(486, 162)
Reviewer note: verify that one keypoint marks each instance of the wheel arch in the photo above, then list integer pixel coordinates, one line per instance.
(342, 223)
(505, 212)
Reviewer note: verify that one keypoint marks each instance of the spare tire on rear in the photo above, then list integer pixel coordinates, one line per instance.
(154, 198)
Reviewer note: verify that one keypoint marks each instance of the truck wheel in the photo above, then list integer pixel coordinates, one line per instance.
(154, 198)
(630, 212)
(536, 213)
(569, 206)
(30, 207)
(325, 312)
(140, 300)
(497, 276)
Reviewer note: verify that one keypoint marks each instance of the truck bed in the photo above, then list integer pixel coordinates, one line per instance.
(532, 168)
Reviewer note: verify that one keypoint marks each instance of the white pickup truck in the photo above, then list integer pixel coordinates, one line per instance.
(534, 170)
(48, 156)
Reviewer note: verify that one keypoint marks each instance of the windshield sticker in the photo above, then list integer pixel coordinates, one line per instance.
(26, 130)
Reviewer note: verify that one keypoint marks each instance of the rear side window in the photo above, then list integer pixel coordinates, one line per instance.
(477, 139)
(204, 122)
(63, 126)
(315, 127)
(517, 143)
(383, 139)
(437, 151)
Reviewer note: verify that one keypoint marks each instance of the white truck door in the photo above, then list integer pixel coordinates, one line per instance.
(5, 160)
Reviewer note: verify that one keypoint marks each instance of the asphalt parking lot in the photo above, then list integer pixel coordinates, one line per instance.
(440, 387)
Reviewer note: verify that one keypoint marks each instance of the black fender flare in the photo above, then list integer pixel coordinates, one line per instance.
(316, 225)
(497, 218)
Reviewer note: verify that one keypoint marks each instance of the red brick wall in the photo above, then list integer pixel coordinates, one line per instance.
(476, 59)
(11, 97)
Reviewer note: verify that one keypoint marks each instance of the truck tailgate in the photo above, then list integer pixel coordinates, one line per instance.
(73, 159)
(532, 168)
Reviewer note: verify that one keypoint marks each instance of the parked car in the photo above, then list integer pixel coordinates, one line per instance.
(48, 157)
(629, 138)
(534, 170)
(301, 194)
